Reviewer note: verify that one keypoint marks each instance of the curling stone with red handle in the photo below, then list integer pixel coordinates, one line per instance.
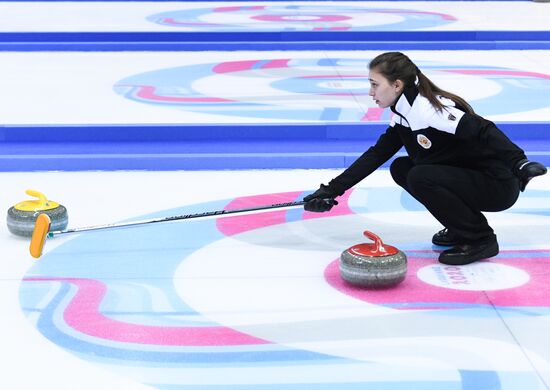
(373, 265)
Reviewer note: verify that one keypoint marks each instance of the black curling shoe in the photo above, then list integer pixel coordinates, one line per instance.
(468, 253)
(444, 238)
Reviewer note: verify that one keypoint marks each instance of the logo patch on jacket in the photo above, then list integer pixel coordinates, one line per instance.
(452, 117)
(424, 141)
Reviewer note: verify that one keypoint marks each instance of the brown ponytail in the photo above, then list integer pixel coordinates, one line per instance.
(397, 66)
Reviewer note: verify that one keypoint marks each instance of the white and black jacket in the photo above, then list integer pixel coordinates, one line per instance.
(429, 136)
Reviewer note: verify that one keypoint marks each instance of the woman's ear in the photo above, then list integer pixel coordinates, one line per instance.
(398, 86)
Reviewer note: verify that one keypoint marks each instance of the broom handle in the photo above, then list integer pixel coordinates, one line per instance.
(175, 218)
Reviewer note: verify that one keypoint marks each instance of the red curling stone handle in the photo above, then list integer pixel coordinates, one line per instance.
(377, 249)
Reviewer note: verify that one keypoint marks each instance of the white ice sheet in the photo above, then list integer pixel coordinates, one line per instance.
(77, 88)
(132, 16)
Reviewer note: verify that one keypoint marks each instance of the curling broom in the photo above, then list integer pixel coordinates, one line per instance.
(42, 225)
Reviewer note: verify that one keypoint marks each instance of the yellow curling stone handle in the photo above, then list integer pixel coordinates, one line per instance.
(40, 204)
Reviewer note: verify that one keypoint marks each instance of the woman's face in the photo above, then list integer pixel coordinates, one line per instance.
(383, 92)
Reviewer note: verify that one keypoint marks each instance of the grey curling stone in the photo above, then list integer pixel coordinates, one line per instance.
(373, 265)
(22, 217)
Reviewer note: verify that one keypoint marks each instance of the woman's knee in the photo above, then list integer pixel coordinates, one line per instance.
(399, 170)
(421, 177)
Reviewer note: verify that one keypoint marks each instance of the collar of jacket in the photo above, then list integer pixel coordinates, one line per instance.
(405, 101)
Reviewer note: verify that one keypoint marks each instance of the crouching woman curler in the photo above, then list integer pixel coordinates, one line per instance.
(458, 165)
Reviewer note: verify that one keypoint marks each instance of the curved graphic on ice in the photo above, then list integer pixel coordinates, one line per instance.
(317, 17)
(320, 89)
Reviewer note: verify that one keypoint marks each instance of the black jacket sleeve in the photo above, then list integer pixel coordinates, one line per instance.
(387, 145)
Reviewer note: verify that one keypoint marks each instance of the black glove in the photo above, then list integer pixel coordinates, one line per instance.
(525, 170)
(321, 200)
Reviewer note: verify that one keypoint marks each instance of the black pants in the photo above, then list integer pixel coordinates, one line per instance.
(456, 196)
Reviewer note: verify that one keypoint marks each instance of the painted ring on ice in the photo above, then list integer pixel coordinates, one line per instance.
(318, 89)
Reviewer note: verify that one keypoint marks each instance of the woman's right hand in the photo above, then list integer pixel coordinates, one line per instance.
(321, 200)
